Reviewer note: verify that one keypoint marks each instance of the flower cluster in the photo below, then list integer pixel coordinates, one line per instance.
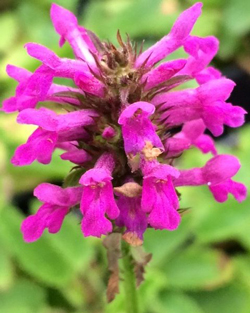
(118, 127)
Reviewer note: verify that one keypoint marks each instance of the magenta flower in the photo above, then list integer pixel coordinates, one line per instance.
(97, 198)
(52, 129)
(174, 40)
(40, 146)
(75, 155)
(133, 218)
(117, 125)
(206, 102)
(192, 133)
(159, 197)
(216, 174)
(57, 203)
(136, 116)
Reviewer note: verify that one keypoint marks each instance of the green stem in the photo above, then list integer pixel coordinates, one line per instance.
(129, 280)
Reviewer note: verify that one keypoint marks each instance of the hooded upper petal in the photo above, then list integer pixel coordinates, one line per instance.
(137, 128)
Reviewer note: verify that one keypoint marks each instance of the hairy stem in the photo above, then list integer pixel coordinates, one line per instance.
(129, 280)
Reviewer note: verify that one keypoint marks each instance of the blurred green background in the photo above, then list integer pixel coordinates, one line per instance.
(204, 266)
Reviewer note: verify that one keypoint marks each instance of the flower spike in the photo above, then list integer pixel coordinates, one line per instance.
(122, 125)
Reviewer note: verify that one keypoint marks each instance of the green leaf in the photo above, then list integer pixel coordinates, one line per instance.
(7, 22)
(72, 179)
(106, 17)
(198, 268)
(6, 270)
(230, 299)
(23, 297)
(224, 221)
(162, 244)
(208, 23)
(155, 281)
(53, 259)
(4, 179)
(242, 269)
(69, 241)
(208, 3)
(229, 43)
(177, 302)
(236, 17)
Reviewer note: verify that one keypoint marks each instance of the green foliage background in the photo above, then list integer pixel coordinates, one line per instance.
(204, 266)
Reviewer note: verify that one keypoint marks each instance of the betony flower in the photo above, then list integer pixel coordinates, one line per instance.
(202, 51)
(133, 218)
(192, 133)
(57, 203)
(159, 197)
(206, 102)
(118, 124)
(97, 198)
(174, 40)
(52, 129)
(39, 146)
(216, 174)
(136, 116)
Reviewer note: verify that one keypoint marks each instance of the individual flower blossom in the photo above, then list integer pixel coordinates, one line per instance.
(131, 214)
(136, 117)
(159, 197)
(57, 203)
(216, 174)
(133, 218)
(39, 146)
(207, 74)
(27, 97)
(52, 129)
(202, 51)
(206, 102)
(192, 133)
(162, 73)
(118, 124)
(97, 198)
(67, 27)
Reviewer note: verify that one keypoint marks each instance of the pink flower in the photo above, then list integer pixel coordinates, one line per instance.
(174, 39)
(206, 102)
(52, 129)
(120, 120)
(108, 132)
(217, 174)
(31, 89)
(57, 203)
(41, 82)
(67, 27)
(192, 134)
(133, 218)
(76, 155)
(136, 117)
(98, 199)
(163, 72)
(202, 51)
(39, 146)
(207, 74)
(159, 197)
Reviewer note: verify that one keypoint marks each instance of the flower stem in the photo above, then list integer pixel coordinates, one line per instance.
(129, 280)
